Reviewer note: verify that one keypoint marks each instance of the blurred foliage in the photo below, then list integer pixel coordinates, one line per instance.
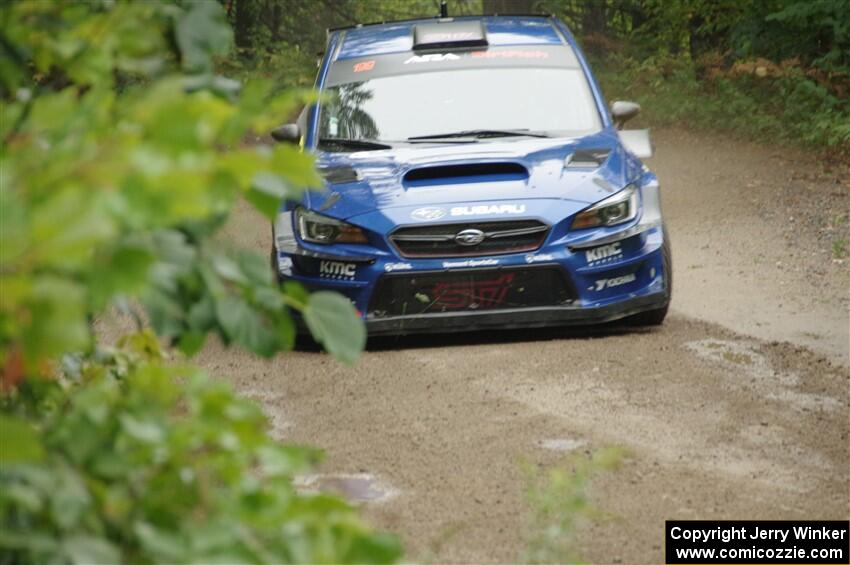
(151, 462)
(285, 39)
(122, 159)
(558, 503)
(774, 69)
(117, 171)
(790, 107)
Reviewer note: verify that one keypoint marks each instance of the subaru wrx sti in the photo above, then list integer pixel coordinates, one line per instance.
(475, 178)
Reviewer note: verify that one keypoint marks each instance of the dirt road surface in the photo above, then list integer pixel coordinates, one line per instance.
(738, 407)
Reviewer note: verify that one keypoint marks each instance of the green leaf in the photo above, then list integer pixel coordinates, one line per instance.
(296, 291)
(69, 498)
(59, 323)
(267, 191)
(28, 498)
(202, 31)
(19, 441)
(124, 270)
(164, 546)
(88, 550)
(264, 203)
(334, 322)
(296, 167)
(202, 314)
(191, 342)
(227, 268)
(255, 267)
(271, 184)
(378, 548)
(286, 332)
(243, 325)
(142, 430)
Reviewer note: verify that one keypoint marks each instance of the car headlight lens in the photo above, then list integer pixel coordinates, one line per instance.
(317, 228)
(616, 209)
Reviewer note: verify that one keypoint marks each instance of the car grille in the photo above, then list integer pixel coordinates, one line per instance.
(469, 290)
(498, 238)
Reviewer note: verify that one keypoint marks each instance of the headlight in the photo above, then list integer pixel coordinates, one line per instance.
(316, 228)
(617, 209)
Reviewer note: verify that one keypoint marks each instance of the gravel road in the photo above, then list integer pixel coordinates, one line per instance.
(738, 407)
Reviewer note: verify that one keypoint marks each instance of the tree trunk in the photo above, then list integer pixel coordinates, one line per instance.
(593, 19)
(243, 24)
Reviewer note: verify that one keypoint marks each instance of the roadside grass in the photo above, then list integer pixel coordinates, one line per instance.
(840, 249)
(763, 101)
(558, 504)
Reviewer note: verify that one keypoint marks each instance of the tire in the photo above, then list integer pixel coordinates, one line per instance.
(656, 317)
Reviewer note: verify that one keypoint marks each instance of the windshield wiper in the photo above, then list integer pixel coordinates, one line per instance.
(482, 133)
(349, 143)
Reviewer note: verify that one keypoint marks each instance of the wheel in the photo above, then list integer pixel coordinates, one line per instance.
(656, 317)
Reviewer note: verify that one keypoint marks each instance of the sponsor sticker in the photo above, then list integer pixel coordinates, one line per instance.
(540, 258)
(435, 36)
(391, 267)
(510, 54)
(602, 284)
(604, 254)
(432, 58)
(364, 66)
(337, 270)
(470, 263)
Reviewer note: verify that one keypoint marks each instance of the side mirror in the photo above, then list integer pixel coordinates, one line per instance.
(287, 133)
(623, 111)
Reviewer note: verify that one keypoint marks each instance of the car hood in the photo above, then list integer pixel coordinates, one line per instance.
(575, 172)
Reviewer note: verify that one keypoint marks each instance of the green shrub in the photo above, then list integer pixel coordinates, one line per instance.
(122, 159)
(790, 108)
(153, 463)
(558, 505)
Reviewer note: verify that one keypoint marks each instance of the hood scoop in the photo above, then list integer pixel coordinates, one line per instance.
(465, 173)
(586, 159)
(339, 174)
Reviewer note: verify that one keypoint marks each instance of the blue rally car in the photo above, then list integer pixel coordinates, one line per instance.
(475, 178)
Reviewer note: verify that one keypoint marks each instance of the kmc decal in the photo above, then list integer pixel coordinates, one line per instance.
(337, 270)
(603, 254)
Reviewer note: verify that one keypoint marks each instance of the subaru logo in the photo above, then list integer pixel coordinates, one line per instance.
(469, 237)
(428, 214)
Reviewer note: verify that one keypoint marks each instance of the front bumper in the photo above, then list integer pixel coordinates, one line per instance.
(537, 317)
(607, 282)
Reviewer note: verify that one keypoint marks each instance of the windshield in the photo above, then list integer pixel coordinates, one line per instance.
(395, 108)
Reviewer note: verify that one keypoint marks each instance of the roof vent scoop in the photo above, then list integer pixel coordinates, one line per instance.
(449, 35)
